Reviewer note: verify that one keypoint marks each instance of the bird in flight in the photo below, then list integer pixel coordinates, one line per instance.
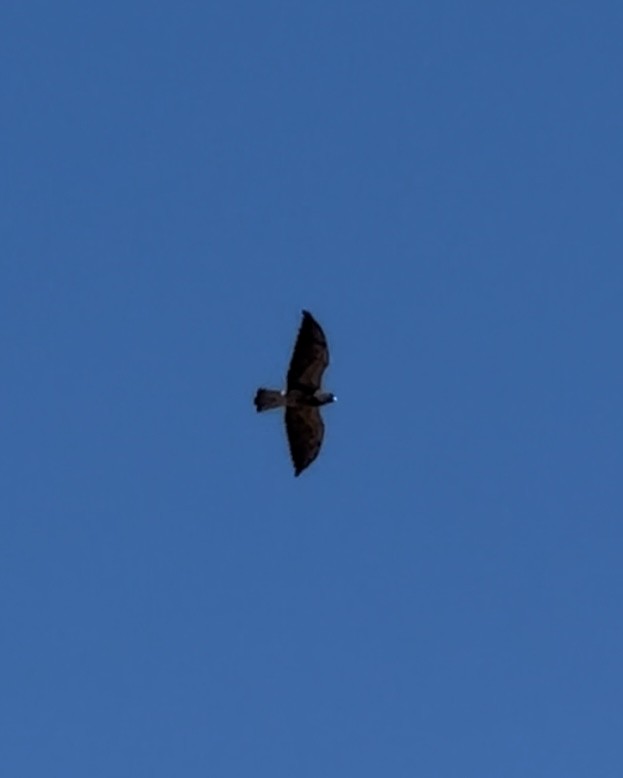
(302, 397)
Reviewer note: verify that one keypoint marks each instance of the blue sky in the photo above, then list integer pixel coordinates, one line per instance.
(439, 595)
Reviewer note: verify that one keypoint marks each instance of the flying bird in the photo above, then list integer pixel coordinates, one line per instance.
(302, 397)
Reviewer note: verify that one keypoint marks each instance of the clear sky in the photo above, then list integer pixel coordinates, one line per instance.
(440, 594)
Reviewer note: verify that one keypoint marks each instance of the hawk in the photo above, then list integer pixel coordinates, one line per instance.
(302, 397)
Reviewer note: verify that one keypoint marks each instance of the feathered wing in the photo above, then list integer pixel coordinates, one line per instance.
(310, 356)
(305, 430)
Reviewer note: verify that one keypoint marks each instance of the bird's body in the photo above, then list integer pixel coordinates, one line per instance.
(303, 396)
(266, 399)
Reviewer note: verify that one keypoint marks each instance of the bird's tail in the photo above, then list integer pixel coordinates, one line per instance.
(265, 399)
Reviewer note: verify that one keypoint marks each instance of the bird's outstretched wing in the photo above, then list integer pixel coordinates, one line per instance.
(310, 356)
(305, 430)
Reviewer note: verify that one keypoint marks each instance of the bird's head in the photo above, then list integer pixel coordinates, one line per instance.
(324, 398)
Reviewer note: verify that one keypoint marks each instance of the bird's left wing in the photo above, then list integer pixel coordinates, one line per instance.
(305, 430)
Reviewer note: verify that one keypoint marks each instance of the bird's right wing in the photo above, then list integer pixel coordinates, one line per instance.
(310, 356)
